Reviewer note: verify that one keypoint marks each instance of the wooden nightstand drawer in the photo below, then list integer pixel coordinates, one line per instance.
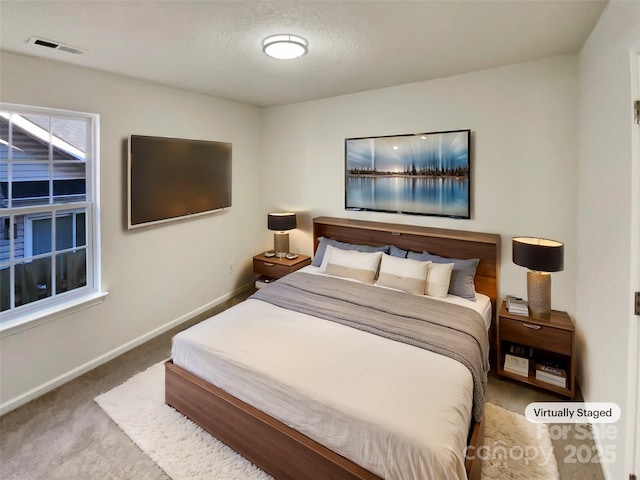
(536, 335)
(270, 269)
(278, 267)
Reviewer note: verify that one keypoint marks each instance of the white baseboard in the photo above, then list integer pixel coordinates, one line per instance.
(20, 400)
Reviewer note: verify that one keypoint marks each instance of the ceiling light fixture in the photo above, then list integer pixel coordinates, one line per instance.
(284, 46)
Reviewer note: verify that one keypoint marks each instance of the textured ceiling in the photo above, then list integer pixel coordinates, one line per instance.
(214, 47)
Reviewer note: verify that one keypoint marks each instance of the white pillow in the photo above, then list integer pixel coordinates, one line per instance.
(361, 266)
(403, 274)
(438, 279)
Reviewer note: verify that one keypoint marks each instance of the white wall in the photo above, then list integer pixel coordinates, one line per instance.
(524, 125)
(607, 182)
(544, 152)
(157, 275)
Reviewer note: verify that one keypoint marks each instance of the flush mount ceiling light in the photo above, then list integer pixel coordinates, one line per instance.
(285, 47)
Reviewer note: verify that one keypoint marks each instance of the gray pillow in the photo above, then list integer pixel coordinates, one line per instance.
(397, 252)
(463, 274)
(322, 247)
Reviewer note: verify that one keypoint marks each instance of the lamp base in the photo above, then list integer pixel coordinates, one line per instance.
(281, 244)
(539, 294)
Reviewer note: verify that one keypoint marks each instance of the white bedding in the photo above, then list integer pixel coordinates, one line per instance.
(399, 411)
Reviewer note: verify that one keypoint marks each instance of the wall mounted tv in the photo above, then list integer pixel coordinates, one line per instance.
(174, 178)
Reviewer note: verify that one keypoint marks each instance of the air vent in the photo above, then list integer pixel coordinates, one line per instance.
(41, 42)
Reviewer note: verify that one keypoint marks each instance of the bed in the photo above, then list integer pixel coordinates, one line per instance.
(334, 411)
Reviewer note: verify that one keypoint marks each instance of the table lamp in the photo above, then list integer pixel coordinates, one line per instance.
(540, 256)
(281, 222)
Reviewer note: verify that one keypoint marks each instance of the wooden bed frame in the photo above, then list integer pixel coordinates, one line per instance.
(283, 452)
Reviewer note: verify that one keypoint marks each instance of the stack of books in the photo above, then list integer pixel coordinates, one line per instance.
(517, 361)
(553, 375)
(517, 306)
(517, 365)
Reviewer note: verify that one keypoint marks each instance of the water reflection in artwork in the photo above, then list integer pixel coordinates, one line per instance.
(438, 196)
(424, 174)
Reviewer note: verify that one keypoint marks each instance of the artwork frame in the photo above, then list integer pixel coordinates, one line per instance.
(417, 174)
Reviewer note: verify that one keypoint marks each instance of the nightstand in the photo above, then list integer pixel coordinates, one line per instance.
(548, 346)
(278, 267)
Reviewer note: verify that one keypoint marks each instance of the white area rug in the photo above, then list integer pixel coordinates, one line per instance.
(514, 448)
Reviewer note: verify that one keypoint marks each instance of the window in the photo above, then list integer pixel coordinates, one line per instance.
(49, 253)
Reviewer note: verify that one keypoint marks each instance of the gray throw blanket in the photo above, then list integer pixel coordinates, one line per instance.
(444, 328)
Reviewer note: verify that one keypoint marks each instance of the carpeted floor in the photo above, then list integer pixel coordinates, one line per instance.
(514, 448)
(65, 435)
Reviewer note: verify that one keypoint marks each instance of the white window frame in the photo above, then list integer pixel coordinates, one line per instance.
(32, 314)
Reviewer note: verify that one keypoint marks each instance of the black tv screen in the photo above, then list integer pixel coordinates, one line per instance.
(172, 178)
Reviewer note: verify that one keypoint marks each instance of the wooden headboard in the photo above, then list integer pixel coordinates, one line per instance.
(438, 241)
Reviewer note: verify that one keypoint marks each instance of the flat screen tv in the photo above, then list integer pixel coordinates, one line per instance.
(420, 174)
(174, 178)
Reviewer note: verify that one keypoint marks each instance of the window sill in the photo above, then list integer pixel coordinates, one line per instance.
(33, 319)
